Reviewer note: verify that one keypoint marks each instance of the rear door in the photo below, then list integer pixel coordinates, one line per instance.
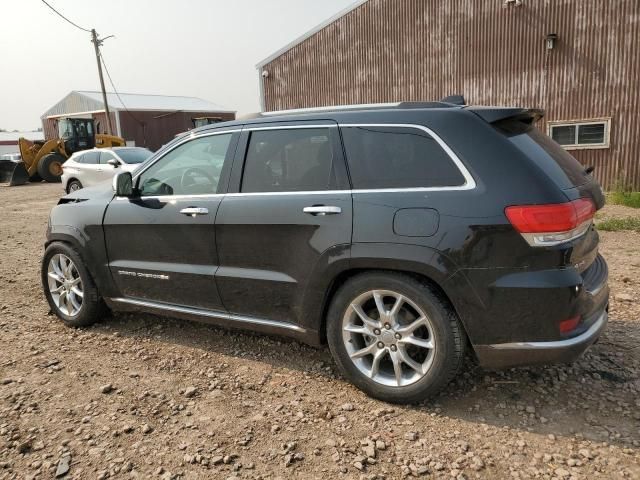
(161, 245)
(89, 165)
(289, 217)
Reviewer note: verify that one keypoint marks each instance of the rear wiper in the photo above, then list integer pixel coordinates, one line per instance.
(589, 170)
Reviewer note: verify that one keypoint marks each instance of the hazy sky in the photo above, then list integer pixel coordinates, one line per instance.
(200, 48)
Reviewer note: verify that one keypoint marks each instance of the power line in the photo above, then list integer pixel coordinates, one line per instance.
(61, 15)
(115, 90)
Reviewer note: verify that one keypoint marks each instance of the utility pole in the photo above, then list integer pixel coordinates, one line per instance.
(96, 46)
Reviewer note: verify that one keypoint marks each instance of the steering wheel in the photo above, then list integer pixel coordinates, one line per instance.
(194, 170)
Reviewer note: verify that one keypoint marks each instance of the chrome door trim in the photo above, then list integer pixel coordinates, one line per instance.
(242, 319)
(322, 210)
(195, 211)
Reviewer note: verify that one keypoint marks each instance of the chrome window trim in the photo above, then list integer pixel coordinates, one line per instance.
(211, 314)
(469, 181)
(187, 138)
(469, 184)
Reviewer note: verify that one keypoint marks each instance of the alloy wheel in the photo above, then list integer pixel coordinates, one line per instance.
(65, 285)
(388, 338)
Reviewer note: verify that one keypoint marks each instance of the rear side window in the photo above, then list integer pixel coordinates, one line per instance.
(289, 160)
(89, 157)
(397, 157)
(560, 165)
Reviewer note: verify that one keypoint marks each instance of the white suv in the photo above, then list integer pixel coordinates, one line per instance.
(90, 167)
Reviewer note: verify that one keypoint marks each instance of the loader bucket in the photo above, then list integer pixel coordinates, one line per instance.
(13, 172)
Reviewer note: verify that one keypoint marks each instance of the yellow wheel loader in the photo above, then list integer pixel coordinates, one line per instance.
(42, 160)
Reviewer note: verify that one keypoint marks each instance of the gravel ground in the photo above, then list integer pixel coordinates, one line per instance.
(139, 396)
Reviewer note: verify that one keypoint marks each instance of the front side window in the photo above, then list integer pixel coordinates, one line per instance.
(289, 160)
(192, 168)
(106, 156)
(588, 134)
(397, 157)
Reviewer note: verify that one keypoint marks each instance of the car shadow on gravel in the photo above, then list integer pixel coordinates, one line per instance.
(596, 397)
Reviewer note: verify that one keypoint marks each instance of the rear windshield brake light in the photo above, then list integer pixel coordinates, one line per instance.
(552, 224)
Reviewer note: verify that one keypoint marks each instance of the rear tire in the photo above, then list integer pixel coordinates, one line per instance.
(50, 167)
(73, 185)
(69, 288)
(401, 357)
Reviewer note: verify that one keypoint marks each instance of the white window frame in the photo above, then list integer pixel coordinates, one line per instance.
(577, 123)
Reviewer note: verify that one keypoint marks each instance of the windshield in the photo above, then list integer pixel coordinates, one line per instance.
(65, 128)
(134, 155)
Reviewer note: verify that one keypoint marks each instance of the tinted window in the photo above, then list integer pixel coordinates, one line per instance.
(564, 135)
(192, 168)
(591, 134)
(134, 155)
(289, 160)
(89, 157)
(106, 156)
(565, 170)
(397, 157)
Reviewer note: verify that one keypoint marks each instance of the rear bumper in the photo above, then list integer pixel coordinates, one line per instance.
(505, 355)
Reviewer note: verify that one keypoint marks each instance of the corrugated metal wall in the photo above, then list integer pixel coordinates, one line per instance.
(394, 50)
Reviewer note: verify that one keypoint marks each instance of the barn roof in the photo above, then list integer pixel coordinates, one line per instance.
(84, 101)
(310, 33)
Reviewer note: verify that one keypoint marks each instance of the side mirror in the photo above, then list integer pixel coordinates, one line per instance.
(113, 162)
(123, 184)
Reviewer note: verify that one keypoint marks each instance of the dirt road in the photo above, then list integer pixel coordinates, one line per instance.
(138, 396)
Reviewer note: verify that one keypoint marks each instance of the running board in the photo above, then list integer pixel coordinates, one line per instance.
(221, 318)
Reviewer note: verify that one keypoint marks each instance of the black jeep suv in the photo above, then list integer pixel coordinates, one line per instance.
(401, 235)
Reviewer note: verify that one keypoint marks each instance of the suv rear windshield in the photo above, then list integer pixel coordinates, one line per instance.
(559, 164)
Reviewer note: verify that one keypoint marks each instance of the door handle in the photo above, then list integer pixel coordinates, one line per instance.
(322, 210)
(194, 211)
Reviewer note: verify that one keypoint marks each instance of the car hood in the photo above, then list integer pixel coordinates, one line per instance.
(102, 191)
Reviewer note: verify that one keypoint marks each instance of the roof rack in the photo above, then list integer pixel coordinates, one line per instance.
(366, 106)
(328, 108)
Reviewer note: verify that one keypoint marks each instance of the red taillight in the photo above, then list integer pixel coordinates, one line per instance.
(556, 217)
(569, 325)
(552, 224)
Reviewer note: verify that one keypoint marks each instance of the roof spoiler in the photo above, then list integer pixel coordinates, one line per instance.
(497, 114)
(454, 100)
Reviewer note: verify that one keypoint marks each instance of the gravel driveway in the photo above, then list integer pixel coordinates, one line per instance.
(139, 396)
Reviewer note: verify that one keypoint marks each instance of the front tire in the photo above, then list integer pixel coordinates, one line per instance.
(69, 288)
(50, 167)
(73, 186)
(394, 337)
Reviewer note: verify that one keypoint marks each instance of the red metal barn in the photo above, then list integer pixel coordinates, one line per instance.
(577, 59)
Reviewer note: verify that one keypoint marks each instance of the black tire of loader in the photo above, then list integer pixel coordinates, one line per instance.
(47, 164)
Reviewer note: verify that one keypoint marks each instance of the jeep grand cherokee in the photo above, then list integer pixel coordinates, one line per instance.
(401, 235)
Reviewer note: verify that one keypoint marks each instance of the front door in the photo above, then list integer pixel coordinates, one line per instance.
(290, 216)
(161, 245)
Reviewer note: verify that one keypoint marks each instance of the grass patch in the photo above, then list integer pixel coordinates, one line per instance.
(618, 224)
(628, 199)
